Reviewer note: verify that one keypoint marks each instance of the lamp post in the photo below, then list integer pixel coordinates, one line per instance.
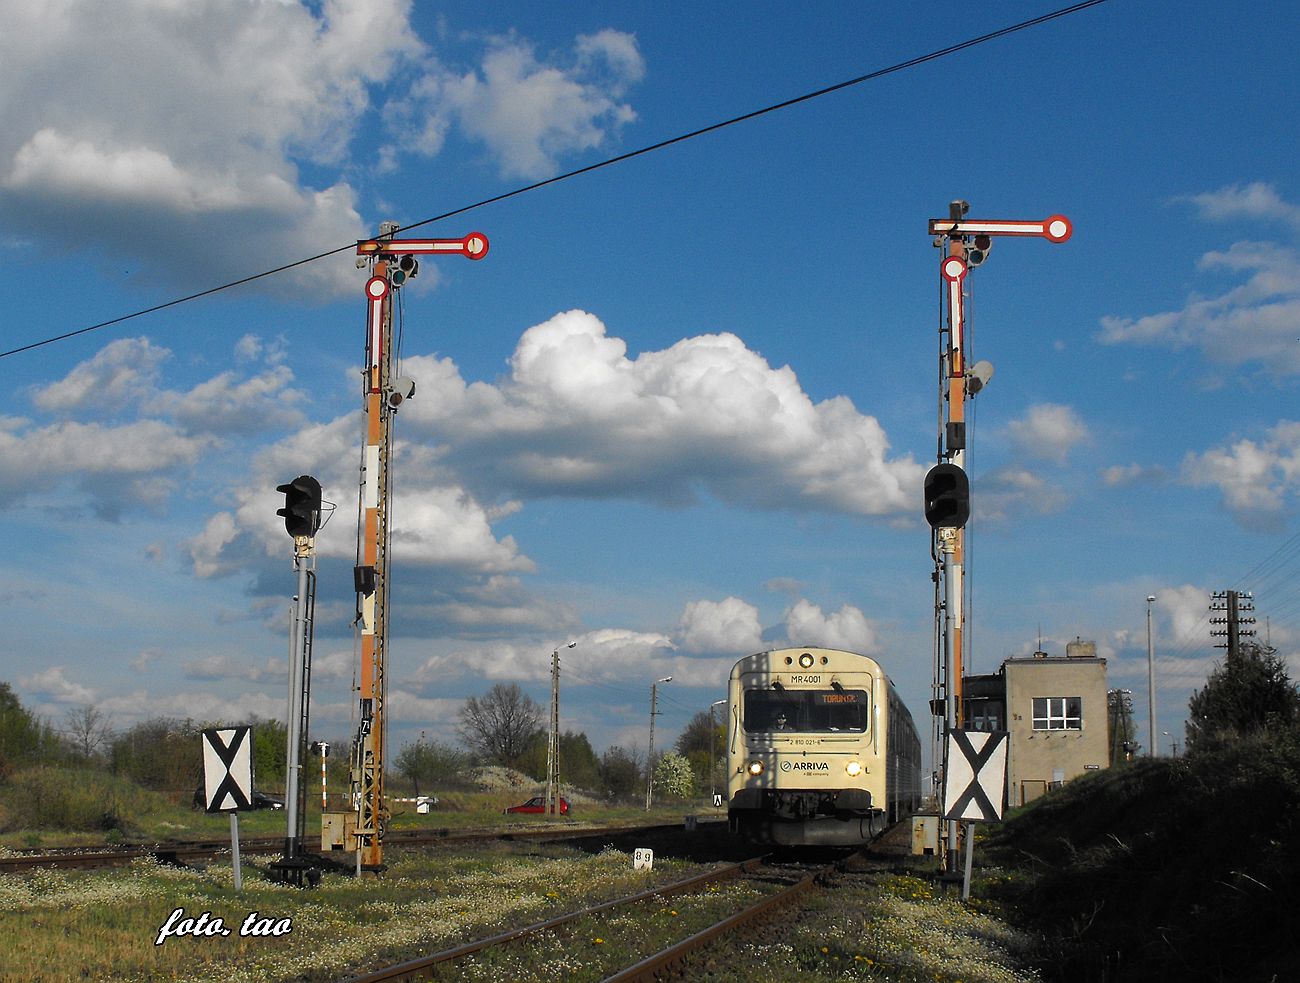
(553, 744)
(1151, 680)
(713, 753)
(650, 749)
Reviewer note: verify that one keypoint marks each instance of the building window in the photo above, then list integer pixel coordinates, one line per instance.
(984, 715)
(1058, 713)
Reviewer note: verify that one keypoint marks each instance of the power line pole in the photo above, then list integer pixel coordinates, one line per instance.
(553, 743)
(391, 262)
(1233, 604)
(650, 748)
(1151, 682)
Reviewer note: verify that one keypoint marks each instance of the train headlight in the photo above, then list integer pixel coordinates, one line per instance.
(755, 768)
(806, 661)
(854, 768)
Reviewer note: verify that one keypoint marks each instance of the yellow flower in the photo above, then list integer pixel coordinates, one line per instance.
(599, 941)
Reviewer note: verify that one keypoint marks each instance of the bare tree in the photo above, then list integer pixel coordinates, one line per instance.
(88, 730)
(500, 726)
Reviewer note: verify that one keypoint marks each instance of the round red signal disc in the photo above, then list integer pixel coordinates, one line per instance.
(1057, 228)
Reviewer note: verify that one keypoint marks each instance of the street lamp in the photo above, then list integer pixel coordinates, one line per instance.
(713, 754)
(553, 745)
(650, 750)
(1151, 680)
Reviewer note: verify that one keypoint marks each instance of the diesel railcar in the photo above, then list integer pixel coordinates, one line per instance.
(821, 750)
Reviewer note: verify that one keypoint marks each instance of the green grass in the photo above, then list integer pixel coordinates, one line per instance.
(103, 925)
(52, 806)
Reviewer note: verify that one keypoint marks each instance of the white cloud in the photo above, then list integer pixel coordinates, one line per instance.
(53, 684)
(188, 161)
(1256, 201)
(848, 628)
(1254, 477)
(1252, 322)
(228, 404)
(600, 656)
(115, 465)
(123, 371)
(527, 112)
(1014, 491)
(1048, 431)
(218, 667)
(577, 416)
(727, 626)
(1128, 475)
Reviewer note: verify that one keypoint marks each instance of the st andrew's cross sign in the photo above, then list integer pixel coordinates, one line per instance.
(975, 779)
(228, 768)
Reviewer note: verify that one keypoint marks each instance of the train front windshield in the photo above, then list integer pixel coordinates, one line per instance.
(815, 711)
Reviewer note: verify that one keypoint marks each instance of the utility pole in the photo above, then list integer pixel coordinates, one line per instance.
(1120, 708)
(713, 750)
(391, 262)
(553, 744)
(1234, 604)
(965, 243)
(1151, 682)
(650, 748)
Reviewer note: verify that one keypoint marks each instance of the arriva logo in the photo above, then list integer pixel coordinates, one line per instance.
(805, 766)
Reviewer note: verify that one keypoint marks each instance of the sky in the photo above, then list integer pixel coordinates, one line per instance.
(682, 410)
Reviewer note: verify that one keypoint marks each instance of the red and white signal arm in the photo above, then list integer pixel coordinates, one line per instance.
(474, 246)
(1054, 228)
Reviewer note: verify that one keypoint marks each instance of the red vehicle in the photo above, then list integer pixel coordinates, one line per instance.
(537, 804)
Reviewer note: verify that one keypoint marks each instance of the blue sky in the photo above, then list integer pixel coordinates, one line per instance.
(681, 411)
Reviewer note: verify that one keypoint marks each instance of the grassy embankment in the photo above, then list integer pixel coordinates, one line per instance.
(1185, 869)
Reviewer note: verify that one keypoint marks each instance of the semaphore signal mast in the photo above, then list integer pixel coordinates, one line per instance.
(391, 262)
(965, 243)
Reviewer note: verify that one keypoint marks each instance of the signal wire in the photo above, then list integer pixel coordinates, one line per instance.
(662, 144)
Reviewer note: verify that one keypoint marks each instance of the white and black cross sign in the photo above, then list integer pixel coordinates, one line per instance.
(975, 779)
(228, 768)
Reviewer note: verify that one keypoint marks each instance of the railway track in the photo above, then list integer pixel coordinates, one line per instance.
(796, 880)
(184, 852)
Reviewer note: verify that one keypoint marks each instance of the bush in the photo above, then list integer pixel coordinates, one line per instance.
(69, 799)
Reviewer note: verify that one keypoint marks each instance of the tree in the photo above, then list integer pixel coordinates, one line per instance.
(88, 730)
(673, 776)
(160, 753)
(620, 773)
(1247, 694)
(430, 763)
(579, 766)
(703, 743)
(23, 736)
(500, 726)
(270, 751)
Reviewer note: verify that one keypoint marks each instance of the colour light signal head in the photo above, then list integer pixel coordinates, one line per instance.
(978, 250)
(947, 497)
(302, 502)
(406, 267)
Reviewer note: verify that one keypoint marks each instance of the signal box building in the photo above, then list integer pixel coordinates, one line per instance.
(1055, 710)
